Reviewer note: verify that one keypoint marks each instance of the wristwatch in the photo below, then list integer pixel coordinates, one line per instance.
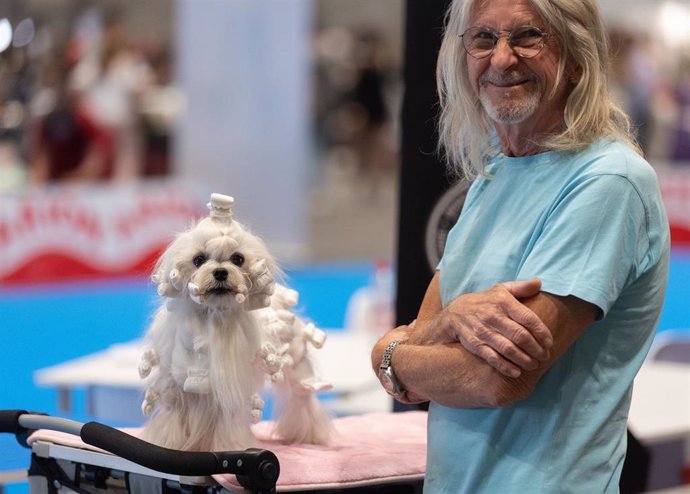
(387, 376)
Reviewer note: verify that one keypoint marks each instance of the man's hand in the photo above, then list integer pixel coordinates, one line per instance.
(495, 326)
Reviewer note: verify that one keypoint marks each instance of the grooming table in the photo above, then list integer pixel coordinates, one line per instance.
(376, 452)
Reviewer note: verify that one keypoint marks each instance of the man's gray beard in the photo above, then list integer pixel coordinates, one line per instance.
(511, 111)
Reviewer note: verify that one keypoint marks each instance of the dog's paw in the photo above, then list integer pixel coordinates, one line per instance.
(197, 381)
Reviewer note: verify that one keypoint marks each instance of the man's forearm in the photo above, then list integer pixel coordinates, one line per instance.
(451, 376)
(443, 372)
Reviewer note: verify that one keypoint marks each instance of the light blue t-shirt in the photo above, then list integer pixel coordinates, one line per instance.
(590, 225)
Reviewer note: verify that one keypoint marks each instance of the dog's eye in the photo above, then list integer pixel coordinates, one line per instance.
(199, 260)
(237, 259)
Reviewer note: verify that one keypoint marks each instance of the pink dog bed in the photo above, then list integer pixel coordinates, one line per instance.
(366, 450)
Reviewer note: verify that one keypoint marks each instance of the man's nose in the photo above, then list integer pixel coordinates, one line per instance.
(503, 56)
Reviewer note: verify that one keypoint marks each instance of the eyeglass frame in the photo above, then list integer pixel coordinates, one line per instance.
(507, 34)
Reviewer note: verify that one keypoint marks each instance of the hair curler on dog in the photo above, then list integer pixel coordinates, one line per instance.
(221, 208)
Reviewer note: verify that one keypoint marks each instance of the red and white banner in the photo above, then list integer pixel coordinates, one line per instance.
(675, 189)
(61, 233)
(95, 231)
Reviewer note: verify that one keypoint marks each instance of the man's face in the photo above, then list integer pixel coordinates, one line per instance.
(511, 89)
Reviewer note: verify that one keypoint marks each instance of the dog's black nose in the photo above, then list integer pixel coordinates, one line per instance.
(220, 274)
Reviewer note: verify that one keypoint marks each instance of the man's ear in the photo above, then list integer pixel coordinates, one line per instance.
(573, 75)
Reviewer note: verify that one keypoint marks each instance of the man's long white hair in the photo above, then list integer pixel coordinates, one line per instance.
(465, 130)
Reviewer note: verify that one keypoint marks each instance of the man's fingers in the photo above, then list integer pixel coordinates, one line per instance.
(502, 365)
(497, 327)
(524, 316)
(524, 339)
(530, 321)
(519, 324)
(523, 289)
(504, 347)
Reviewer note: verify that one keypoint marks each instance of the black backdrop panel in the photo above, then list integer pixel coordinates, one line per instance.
(422, 176)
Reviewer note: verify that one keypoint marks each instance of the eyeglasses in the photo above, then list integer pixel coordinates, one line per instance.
(526, 41)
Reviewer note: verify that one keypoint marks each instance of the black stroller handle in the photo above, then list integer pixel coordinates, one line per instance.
(9, 421)
(256, 469)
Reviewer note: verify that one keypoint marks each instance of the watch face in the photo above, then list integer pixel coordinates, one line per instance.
(387, 381)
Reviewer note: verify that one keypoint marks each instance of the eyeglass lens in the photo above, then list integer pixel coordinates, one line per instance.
(526, 41)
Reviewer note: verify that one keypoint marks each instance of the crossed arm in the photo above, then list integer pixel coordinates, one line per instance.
(486, 349)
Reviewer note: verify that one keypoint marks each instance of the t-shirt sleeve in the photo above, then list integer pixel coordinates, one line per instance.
(593, 243)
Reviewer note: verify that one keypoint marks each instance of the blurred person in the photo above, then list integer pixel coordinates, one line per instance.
(634, 75)
(353, 121)
(159, 106)
(333, 78)
(111, 81)
(376, 158)
(12, 169)
(67, 143)
(680, 140)
(529, 381)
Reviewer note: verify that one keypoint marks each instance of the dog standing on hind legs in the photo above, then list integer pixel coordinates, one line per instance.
(224, 329)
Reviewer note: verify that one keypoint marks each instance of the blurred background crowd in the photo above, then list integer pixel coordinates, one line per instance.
(81, 96)
(89, 92)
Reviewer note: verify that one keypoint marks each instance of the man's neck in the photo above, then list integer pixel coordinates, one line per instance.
(526, 138)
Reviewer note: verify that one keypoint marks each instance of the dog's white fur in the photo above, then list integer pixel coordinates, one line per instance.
(225, 329)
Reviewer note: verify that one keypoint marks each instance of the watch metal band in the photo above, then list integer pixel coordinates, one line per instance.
(387, 354)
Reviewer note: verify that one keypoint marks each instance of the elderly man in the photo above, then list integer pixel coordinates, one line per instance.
(529, 381)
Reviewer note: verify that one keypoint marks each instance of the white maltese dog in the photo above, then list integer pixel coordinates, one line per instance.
(224, 330)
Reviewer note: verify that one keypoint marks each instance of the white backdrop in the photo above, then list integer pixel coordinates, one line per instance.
(244, 67)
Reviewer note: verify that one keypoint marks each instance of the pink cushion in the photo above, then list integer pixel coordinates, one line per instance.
(369, 449)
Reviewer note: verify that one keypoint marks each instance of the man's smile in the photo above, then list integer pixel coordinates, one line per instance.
(505, 82)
